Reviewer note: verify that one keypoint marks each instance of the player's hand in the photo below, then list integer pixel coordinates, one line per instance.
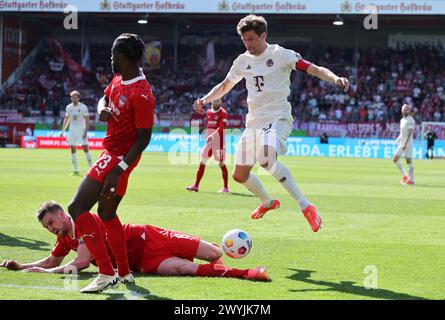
(105, 114)
(404, 147)
(11, 265)
(84, 135)
(110, 183)
(209, 139)
(199, 105)
(61, 134)
(36, 269)
(343, 83)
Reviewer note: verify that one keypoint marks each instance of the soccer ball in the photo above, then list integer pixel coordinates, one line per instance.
(236, 243)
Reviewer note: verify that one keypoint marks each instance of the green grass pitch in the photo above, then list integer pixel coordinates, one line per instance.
(374, 229)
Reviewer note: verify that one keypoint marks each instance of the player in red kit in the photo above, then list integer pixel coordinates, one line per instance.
(150, 250)
(216, 122)
(127, 107)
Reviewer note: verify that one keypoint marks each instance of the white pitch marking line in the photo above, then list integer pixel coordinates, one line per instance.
(129, 295)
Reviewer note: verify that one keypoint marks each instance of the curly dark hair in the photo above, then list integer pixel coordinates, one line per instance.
(130, 45)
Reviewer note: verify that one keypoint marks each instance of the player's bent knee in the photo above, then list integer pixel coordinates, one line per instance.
(215, 254)
(186, 269)
(74, 210)
(239, 178)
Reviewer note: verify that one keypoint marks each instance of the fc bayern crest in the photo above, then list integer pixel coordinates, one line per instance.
(269, 63)
(122, 101)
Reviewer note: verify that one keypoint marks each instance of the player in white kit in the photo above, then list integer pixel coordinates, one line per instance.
(266, 69)
(77, 118)
(405, 142)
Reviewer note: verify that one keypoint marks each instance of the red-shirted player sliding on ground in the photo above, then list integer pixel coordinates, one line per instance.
(150, 250)
(216, 119)
(128, 107)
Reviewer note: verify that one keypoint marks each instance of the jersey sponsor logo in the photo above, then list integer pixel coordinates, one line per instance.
(259, 82)
(269, 63)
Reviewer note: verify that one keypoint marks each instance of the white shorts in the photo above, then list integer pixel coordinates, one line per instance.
(252, 142)
(75, 138)
(408, 151)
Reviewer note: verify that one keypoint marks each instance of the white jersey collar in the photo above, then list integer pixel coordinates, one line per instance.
(131, 81)
(261, 56)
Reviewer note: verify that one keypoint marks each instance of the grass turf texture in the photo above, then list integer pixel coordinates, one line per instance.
(369, 219)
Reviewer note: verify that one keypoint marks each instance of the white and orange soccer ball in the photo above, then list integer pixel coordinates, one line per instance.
(236, 243)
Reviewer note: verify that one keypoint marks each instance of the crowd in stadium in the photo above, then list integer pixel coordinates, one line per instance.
(381, 81)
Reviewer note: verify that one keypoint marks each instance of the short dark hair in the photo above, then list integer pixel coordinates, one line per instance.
(47, 207)
(252, 22)
(130, 45)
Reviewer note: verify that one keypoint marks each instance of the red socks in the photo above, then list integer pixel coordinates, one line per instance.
(95, 241)
(225, 175)
(118, 245)
(219, 270)
(199, 174)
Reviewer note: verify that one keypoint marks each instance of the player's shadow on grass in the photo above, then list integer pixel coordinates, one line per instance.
(134, 292)
(348, 287)
(242, 194)
(429, 186)
(124, 291)
(8, 241)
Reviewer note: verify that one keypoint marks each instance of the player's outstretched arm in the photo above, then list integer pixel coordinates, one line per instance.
(81, 262)
(48, 262)
(218, 91)
(327, 75)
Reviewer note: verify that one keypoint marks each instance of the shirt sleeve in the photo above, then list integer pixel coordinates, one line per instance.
(410, 124)
(60, 250)
(295, 60)
(143, 110)
(107, 90)
(235, 73)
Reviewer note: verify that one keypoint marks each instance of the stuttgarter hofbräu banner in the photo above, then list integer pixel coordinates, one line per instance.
(240, 6)
(182, 143)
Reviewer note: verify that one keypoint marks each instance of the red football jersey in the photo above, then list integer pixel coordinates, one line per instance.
(132, 105)
(216, 120)
(134, 235)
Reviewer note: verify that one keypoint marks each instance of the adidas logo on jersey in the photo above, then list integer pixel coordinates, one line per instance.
(248, 67)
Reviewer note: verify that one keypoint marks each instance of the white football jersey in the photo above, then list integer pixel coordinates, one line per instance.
(77, 115)
(405, 124)
(267, 81)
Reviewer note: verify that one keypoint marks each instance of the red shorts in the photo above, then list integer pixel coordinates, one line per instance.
(161, 244)
(105, 164)
(215, 148)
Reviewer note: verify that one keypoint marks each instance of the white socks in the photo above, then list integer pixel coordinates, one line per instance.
(89, 158)
(284, 176)
(411, 171)
(253, 184)
(74, 160)
(400, 166)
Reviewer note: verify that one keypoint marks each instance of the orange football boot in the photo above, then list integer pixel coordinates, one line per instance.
(261, 210)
